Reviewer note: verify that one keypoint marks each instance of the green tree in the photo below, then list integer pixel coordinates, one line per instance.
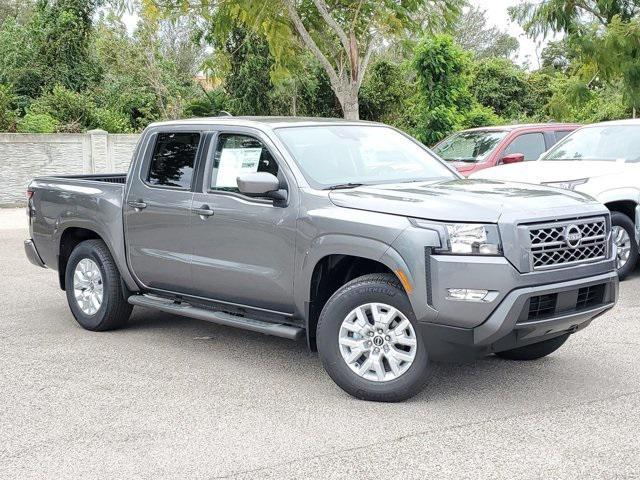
(341, 36)
(500, 84)
(62, 31)
(604, 34)
(8, 110)
(472, 33)
(385, 93)
(445, 102)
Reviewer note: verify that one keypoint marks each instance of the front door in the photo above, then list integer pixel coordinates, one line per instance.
(243, 250)
(157, 211)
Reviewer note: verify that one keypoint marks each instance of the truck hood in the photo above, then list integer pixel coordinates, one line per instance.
(459, 200)
(551, 171)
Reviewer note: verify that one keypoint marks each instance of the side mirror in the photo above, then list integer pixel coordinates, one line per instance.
(258, 183)
(261, 184)
(513, 158)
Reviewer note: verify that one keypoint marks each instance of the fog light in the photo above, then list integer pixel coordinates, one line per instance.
(470, 294)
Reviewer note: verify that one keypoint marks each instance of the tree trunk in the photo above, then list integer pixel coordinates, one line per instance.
(348, 98)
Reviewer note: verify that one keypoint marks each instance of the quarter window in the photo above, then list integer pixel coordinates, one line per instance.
(531, 145)
(236, 155)
(173, 160)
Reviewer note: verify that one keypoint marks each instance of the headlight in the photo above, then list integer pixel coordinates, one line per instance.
(473, 239)
(567, 185)
(466, 238)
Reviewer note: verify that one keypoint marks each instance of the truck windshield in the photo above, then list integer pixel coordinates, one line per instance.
(469, 147)
(601, 142)
(352, 155)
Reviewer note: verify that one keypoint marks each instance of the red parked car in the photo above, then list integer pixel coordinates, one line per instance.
(479, 148)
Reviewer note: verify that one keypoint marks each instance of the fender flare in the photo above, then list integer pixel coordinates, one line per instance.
(340, 244)
(117, 253)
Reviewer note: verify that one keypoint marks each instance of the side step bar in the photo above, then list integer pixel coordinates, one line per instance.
(222, 318)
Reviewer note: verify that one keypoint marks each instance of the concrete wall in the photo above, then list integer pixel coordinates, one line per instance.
(24, 156)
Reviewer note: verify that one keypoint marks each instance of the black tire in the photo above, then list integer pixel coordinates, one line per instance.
(114, 310)
(382, 288)
(535, 350)
(621, 220)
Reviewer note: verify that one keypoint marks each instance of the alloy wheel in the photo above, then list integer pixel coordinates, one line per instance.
(377, 342)
(88, 288)
(623, 243)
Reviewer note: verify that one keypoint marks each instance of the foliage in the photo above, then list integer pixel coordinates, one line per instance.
(385, 93)
(72, 65)
(37, 123)
(340, 35)
(472, 34)
(8, 110)
(501, 85)
(604, 36)
(444, 79)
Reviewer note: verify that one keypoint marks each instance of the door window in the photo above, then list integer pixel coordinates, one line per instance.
(560, 134)
(173, 160)
(236, 155)
(531, 145)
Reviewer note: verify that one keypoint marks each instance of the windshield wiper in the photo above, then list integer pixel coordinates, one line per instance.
(342, 186)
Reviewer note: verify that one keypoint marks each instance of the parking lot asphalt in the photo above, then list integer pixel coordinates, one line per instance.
(170, 397)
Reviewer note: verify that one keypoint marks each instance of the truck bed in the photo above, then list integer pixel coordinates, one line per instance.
(105, 177)
(64, 202)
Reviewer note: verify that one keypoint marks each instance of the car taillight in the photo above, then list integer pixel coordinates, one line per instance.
(29, 194)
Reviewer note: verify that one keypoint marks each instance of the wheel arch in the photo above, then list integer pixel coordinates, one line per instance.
(327, 269)
(69, 239)
(626, 207)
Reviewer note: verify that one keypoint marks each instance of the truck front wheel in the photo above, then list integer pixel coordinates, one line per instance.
(623, 232)
(368, 342)
(92, 284)
(535, 350)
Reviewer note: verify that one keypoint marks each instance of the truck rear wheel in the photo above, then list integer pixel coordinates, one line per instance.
(623, 233)
(535, 350)
(92, 284)
(368, 342)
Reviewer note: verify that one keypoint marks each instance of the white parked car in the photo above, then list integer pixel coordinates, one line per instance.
(601, 160)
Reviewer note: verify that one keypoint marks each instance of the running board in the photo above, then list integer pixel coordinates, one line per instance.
(222, 318)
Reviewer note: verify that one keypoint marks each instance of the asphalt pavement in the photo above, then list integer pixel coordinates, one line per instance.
(172, 398)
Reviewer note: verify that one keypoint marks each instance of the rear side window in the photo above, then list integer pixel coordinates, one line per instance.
(531, 145)
(173, 160)
(560, 134)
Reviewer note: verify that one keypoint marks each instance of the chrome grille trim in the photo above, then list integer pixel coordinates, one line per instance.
(549, 248)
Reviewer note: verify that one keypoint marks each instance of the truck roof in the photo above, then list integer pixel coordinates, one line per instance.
(523, 126)
(263, 121)
(616, 123)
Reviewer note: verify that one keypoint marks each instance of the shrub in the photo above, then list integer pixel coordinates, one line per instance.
(37, 123)
(8, 111)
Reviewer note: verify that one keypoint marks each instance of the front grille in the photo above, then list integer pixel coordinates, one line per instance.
(590, 296)
(568, 242)
(542, 306)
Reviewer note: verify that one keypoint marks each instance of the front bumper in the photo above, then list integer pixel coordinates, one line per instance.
(32, 254)
(570, 306)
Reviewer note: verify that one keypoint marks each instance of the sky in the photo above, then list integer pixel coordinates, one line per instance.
(496, 14)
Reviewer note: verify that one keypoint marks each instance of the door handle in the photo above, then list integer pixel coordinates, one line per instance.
(137, 206)
(204, 211)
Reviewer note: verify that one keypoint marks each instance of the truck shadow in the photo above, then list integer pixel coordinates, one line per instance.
(565, 376)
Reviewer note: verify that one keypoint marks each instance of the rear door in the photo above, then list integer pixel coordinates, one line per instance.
(157, 210)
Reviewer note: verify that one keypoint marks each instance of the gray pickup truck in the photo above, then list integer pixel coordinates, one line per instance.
(350, 234)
